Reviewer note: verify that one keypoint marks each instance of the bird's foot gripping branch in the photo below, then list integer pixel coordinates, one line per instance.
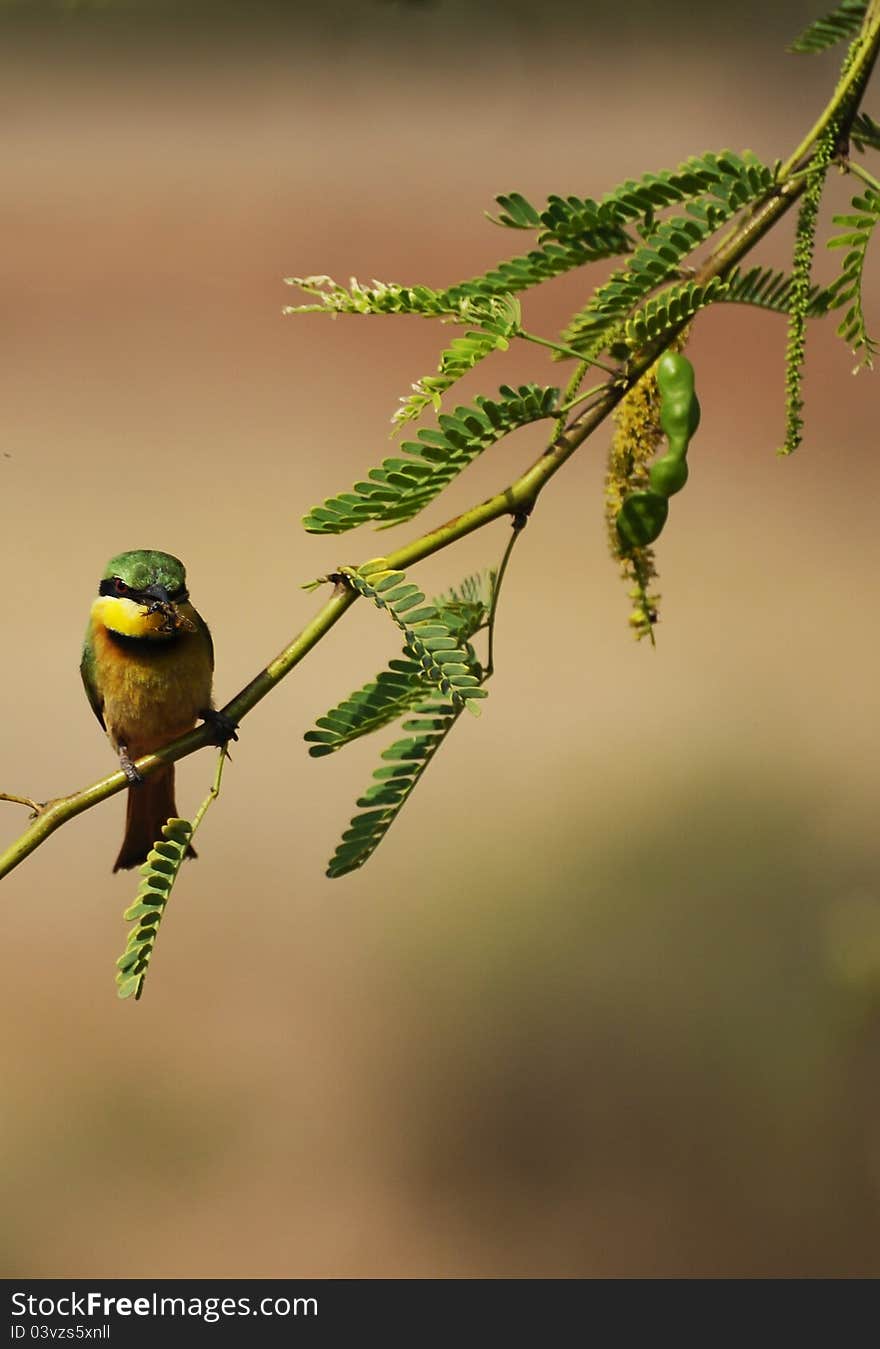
(676, 241)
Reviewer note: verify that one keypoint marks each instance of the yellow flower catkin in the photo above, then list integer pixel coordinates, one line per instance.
(637, 434)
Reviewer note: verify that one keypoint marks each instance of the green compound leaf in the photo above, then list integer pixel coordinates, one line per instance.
(577, 230)
(385, 699)
(159, 873)
(493, 307)
(403, 686)
(460, 356)
(404, 764)
(516, 212)
(653, 263)
(729, 179)
(713, 187)
(768, 289)
(464, 609)
(379, 298)
(865, 132)
(400, 488)
(496, 318)
(840, 25)
(541, 264)
(847, 289)
(500, 319)
(671, 309)
(428, 637)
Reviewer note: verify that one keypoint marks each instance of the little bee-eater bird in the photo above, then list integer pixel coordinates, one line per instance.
(147, 666)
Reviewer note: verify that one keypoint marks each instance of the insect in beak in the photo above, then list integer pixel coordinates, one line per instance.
(161, 603)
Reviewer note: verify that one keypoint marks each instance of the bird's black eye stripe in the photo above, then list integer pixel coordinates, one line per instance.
(112, 585)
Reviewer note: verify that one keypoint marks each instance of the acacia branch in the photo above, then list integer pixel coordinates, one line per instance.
(517, 499)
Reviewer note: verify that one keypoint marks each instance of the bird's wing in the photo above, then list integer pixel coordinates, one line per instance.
(90, 683)
(207, 634)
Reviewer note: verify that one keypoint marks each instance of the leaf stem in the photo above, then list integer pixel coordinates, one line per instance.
(561, 349)
(518, 525)
(214, 791)
(844, 103)
(581, 397)
(853, 167)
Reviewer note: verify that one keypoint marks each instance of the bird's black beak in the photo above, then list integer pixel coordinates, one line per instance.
(157, 593)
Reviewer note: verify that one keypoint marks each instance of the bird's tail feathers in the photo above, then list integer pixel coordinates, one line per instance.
(150, 804)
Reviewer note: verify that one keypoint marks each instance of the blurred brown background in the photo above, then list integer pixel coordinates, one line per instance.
(603, 1001)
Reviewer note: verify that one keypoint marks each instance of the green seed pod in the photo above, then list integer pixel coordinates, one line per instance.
(641, 519)
(643, 514)
(679, 406)
(669, 474)
(675, 375)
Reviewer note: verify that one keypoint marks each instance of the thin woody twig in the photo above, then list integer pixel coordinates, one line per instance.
(21, 801)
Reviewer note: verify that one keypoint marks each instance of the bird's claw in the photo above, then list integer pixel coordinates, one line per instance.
(128, 768)
(224, 728)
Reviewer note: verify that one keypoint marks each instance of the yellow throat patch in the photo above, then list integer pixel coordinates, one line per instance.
(128, 618)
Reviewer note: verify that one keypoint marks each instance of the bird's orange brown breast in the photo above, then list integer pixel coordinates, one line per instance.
(153, 678)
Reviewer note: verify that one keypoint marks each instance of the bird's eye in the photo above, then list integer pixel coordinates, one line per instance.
(121, 587)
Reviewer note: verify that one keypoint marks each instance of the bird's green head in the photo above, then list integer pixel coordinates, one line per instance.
(143, 572)
(143, 594)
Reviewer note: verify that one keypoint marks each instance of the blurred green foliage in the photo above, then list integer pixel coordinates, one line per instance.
(605, 17)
